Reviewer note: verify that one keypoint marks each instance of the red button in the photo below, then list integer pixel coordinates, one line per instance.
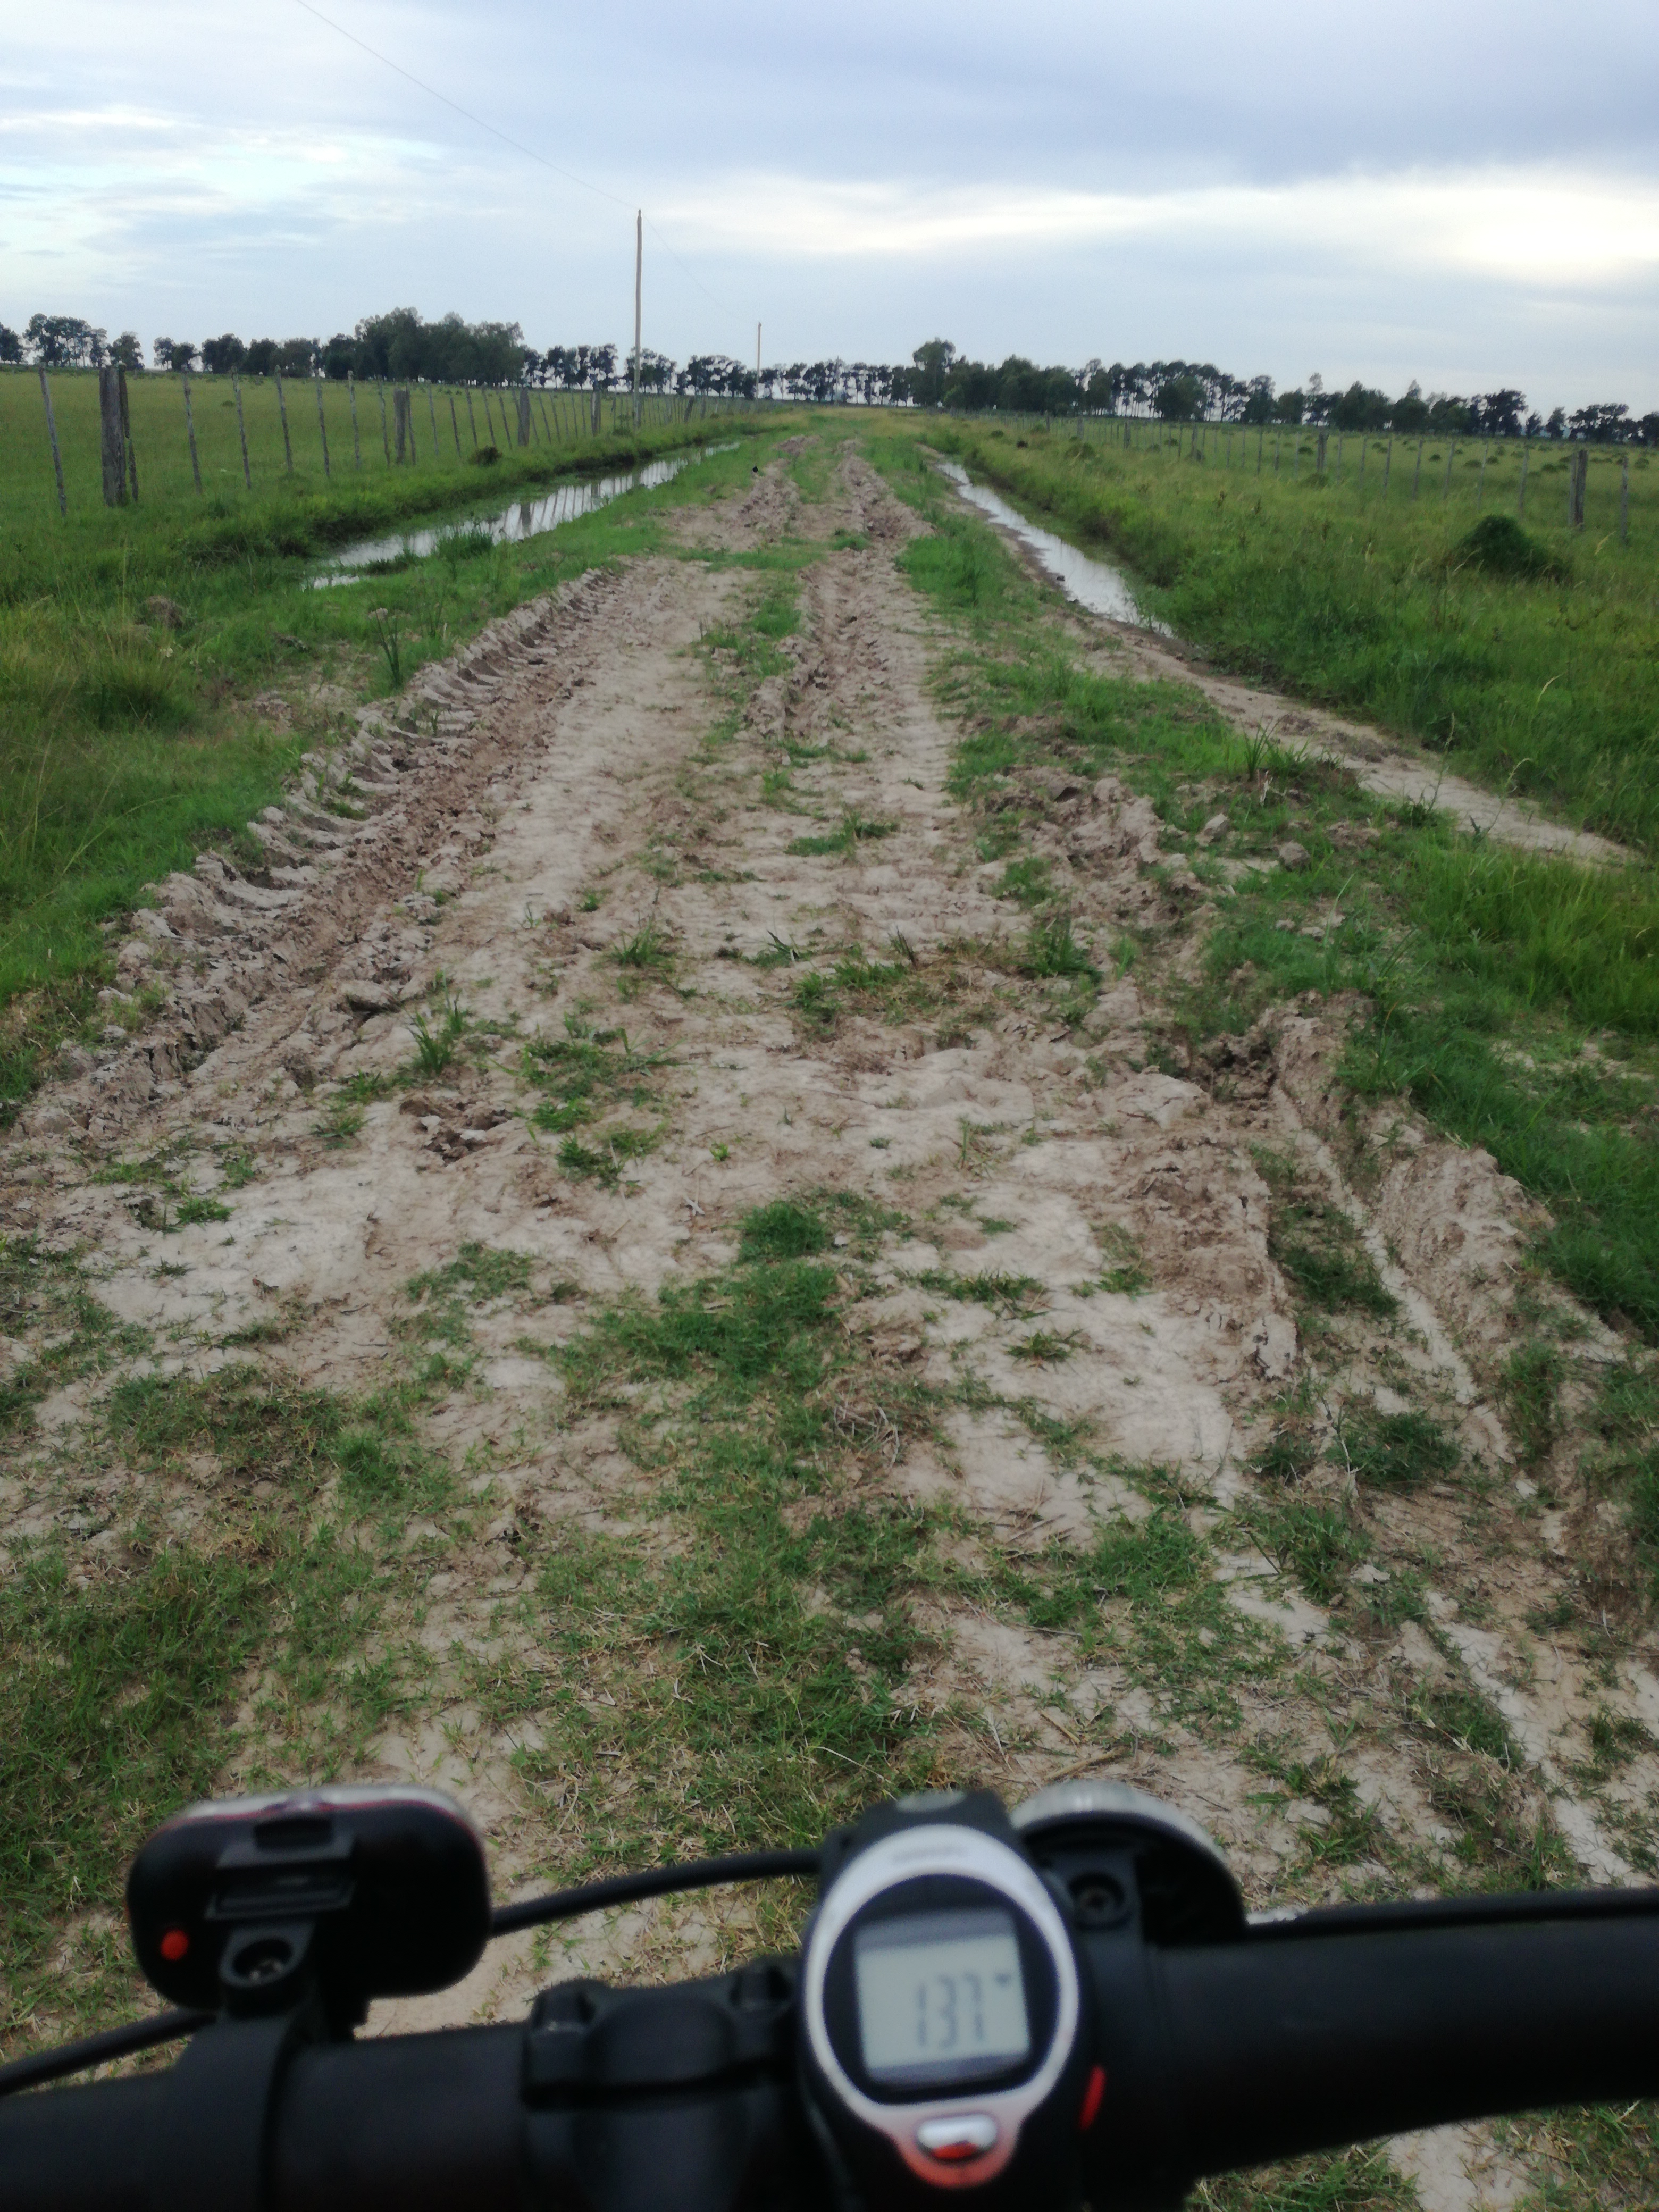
(175, 1944)
(962, 2136)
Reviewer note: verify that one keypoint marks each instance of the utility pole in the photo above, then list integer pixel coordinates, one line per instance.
(639, 272)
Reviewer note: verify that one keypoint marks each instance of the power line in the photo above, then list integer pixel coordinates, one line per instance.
(517, 144)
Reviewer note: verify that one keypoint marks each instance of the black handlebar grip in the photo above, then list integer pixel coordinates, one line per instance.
(1282, 2045)
(421, 2123)
(80, 2150)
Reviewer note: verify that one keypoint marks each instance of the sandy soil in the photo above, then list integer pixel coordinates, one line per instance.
(564, 755)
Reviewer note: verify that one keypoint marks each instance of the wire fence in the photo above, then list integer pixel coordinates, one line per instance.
(102, 434)
(1385, 465)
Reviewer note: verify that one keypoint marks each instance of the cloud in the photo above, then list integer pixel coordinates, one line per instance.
(1534, 226)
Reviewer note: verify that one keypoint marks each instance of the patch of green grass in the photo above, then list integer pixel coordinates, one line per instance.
(785, 1230)
(1361, 2180)
(1396, 1452)
(855, 829)
(1600, 2158)
(1469, 1721)
(1318, 1247)
(740, 1681)
(341, 1122)
(1318, 1543)
(1532, 1378)
(1045, 1347)
(646, 949)
(606, 1161)
(437, 1041)
(478, 1272)
(1000, 1288)
(59, 1329)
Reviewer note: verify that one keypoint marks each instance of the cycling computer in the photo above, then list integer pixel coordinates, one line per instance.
(941, 2005)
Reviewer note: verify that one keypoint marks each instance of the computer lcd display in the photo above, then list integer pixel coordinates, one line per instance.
(941, 1996)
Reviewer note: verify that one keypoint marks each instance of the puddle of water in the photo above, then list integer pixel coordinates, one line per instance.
(1093, 584)
(523, 518)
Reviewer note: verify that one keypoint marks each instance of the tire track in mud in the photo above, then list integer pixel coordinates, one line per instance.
(1072, 1339)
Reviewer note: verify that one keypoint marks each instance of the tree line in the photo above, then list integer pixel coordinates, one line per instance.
(1186, 391)
(401, 345)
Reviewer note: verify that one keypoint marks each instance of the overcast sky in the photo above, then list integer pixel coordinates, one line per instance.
(1466, 192)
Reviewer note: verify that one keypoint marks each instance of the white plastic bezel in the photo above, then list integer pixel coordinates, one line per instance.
(912, 1853)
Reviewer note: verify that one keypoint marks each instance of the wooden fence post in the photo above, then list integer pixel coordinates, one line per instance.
(52, 434)
(1445, 488)
(1577, 476)
(1624, 499)
(432, 410)
(1279, 440)
(409, 411)
(351, 401)
(322, 427)
(1363, 442)
(400, 420)
(542, 405)
(241, 431)
(1339, 457)
(1261, 440)
(126, 439)
(385, 440)
(1520, 496)
(1387, 464)
(112, 448)
(525, 425)
(454, 426)
(281, 408)
(598, 403)
(471, 419)
(190, 428)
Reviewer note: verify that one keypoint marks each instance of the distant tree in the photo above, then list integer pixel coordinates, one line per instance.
(1179, 398)
(296, 356)
(1258, 406)
(1318, 405)
(1648, 430)
(1449, 415)
(223, 355)
(1557, 425)
(126, 352)
(60, 340)
(1605, 419)
(931, 363)
(11, 346)
(339, 356)
(1410, 409)
(1360, 407)
(1290, 406)
(1499, 413)
(174, 353)
(1533, 426)
(656, 370)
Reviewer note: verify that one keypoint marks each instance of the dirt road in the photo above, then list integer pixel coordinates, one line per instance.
(643, 980)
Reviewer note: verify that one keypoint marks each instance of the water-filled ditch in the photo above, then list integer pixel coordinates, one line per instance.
(518, 518)
(1093, 583)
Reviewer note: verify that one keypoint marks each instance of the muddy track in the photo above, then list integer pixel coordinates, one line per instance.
(543, 837)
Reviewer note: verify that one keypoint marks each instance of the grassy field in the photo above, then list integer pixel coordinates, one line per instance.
(1530, 661)
(132, 733)
(28, 491)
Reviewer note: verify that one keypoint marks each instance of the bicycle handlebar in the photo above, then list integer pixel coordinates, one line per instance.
(1295, 2037)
